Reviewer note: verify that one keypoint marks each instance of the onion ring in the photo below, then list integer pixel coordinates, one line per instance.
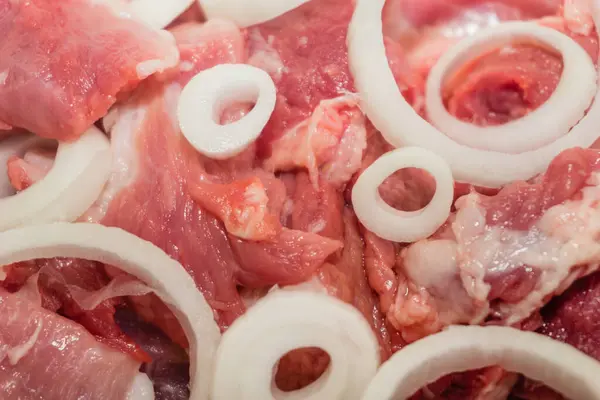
(158, 13)
(248, 12)
(203, 99)
(137, 257)
(463, 348)
(80, 170)
(402, 126)
(402, 226)
(288, 319)
(548, 122)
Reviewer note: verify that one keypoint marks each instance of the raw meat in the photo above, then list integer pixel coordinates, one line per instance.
(150, 193)
(44, 355)
(75, 67)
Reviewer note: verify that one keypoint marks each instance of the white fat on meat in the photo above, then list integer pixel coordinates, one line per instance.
(16, 353)
(263, 55)
(561, 245)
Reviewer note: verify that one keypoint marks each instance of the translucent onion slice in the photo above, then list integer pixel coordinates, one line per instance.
(73, 184)
(402, 126)
(403, 226)
(248, 12)
(10, 146)
(285, 320)
(158, 13)
(576, 88)
(137, 257)
(556, 364)
(205, 97)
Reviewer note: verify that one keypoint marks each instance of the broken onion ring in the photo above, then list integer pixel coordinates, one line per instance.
(548, 122)
(137, 257)
(403, 226)
(204, 98)
(285, 320)
(462, 348)
(402, 126)
(80, 170)
(248, 12)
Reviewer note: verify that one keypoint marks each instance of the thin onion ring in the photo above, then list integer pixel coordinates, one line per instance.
(402, 226)
(248, 12)
(463, 348)
(80, 170)
(543, 125)
(158, 13)
(402, 126)
(285, 320)
(135, 256)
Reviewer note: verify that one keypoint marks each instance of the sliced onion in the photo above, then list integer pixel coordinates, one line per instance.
(73, 184)
(402, 126)
(205, 97)
(158, 13)
(248, 12)
(137, 257)
(141, 389)
(547, 123)
(285, 320)
(556, 364)
(10, 146)
(403, 226)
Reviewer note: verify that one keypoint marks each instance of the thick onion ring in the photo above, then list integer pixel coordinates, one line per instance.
(402, 126)
(463, 348)
(402, 226)
(285, 320)
(137, 257)
(548, 122)
(248, 12)
(204, 98)
(80, 170)
(158, 13)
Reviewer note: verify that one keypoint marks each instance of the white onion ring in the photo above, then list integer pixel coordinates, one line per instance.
(137, 257)
(285, 320)
(548, 122)
(248, 12)
(158, 13)
(402, 126)
(11, 146)
(203, 99)
(462, 348)
(403, 226)
(80, 170)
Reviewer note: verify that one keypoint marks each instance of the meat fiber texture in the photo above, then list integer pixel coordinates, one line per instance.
(44, 355)
(95, 55)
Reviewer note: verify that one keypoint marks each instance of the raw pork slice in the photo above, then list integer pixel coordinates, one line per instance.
(46, 356)
(65, 62)
(150, 192)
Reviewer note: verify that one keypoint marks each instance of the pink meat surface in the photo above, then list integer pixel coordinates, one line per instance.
(151, 191)
(44, 355)
(74, 68)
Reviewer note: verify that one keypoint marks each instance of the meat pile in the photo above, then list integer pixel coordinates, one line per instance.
(280, 213)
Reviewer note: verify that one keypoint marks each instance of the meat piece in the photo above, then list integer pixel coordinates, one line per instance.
(149, 192)
(44, 355)
(305, 52)
(56, 280)
(329, 143)
(74, 70)
(502, 257)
